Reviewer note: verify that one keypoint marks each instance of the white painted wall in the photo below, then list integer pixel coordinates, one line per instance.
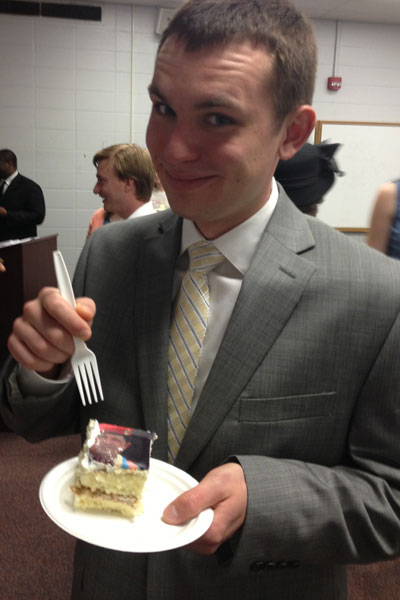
(145, 42)
(66, 91)
(368, 60)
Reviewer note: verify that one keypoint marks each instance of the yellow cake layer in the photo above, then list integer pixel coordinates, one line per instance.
(87, 500)
(117, 481)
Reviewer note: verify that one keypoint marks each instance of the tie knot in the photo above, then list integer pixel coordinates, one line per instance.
(204, 257)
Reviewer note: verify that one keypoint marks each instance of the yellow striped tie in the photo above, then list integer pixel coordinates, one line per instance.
(188, 327)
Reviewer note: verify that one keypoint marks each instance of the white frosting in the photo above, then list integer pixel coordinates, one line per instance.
(87, 463)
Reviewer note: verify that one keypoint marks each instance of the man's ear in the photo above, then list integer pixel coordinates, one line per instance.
(130, 185)
(298, 127)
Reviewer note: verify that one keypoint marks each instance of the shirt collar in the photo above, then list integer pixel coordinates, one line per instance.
(11, 177)
(239, 244)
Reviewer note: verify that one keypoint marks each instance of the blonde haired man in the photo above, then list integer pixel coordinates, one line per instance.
(125, 182)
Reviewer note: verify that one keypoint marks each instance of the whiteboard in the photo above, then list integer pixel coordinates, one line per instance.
(369, 157)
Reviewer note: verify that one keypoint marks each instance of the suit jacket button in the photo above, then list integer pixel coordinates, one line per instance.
(257, 565)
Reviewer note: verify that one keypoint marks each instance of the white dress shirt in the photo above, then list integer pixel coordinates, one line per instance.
(9, 180)
(145, 209)
(238, 246)
(142, 211)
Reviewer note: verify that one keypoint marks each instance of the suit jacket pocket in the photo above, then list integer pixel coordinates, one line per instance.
(313, 406)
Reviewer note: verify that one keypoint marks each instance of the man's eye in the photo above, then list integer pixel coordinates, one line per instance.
(220, 120)
(162, 109)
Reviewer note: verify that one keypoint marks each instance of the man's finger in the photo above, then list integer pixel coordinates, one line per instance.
(65, 315)
(24, 356)
(218, 485)
(211, 491)
(187, 506)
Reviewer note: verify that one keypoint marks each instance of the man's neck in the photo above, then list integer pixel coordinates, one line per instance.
(134, 205)
(214, 229)
(11, 176)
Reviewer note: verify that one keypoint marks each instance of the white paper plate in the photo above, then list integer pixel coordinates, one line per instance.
(146, 533)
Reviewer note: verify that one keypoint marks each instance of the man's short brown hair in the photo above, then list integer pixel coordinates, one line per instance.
(277, 25)
(131, 162)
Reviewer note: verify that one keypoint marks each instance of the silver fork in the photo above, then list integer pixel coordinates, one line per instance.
(83, 361)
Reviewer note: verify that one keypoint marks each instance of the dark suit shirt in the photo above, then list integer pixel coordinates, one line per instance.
(24, 202)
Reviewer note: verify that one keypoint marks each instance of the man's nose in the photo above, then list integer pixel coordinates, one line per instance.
(182, 145)
(96, 189)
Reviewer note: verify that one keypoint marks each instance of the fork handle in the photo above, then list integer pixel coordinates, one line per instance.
(63, 280)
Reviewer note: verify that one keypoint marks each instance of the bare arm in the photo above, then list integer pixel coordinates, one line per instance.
(382, 217)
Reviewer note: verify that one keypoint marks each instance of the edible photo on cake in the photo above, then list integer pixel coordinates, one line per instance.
(112, 469)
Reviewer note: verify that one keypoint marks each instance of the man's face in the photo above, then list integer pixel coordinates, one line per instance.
(111, 189)
(212, 133)
(5, 169)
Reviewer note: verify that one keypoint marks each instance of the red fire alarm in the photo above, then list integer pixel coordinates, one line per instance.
(334, 83)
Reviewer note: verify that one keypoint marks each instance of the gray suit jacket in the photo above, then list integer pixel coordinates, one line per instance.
(304, 392)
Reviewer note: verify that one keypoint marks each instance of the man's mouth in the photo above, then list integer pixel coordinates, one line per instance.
(187, 181)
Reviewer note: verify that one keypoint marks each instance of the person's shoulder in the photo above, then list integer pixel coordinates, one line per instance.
(23, 180)
(386, 198)
(98, 211)
(132, 231)
(150, 222)
(119, 246)
(388, 187)
(351, 251)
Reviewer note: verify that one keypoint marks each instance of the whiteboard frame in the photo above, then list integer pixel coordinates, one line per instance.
(318, 137)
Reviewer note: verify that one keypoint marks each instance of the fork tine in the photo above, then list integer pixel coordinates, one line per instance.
(79, 383)
(89, 365)
(97, 378)
(84, 378)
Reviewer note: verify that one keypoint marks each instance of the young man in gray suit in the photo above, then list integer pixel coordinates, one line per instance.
(295, 414)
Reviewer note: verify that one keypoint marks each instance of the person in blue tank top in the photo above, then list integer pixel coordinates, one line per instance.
(384, 233)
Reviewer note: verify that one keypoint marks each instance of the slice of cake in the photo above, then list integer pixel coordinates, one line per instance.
(112, 469)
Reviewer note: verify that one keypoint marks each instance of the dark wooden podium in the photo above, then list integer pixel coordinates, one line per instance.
(29, 268)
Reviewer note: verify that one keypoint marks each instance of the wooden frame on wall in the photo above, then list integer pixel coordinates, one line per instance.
(368, 157)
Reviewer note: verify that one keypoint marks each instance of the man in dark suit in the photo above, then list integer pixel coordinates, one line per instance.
(294, 412)
(22, 205)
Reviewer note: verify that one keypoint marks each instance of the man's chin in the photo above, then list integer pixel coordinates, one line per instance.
(188, 206)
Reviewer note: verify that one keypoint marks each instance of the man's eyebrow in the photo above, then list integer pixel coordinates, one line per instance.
(153, 89)
(218, 102)
(212, 102)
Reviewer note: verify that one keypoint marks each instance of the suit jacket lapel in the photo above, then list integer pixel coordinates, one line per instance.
(270, 291)
(154, 285)
(10, 198)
